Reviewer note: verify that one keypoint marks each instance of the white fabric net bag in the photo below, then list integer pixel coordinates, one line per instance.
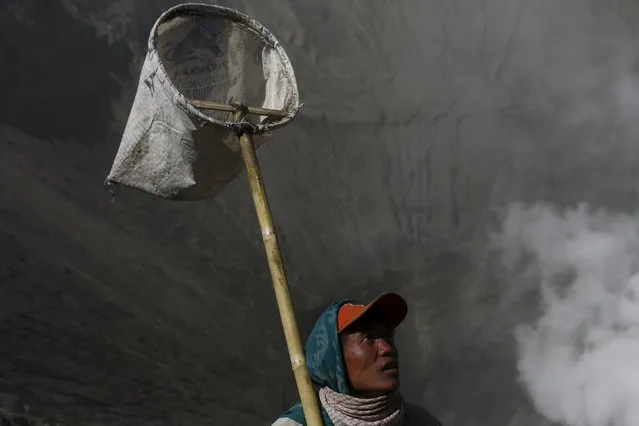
(200, 52)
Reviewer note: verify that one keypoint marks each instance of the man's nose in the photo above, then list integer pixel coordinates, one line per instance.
(385, 347)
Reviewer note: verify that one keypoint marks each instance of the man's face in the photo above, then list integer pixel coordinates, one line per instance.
(371, 358)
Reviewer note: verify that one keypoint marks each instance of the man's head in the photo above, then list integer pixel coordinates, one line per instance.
(368, 347)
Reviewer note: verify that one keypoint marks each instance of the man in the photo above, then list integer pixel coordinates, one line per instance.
(353, 362)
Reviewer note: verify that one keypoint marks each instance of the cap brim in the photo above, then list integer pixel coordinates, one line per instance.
(390, 307)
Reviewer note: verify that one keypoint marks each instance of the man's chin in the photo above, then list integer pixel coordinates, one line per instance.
(381, 391)
(391, 384)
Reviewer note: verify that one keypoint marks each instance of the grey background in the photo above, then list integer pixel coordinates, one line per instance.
(423, 118)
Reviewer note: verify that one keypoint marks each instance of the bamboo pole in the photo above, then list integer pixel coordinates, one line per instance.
(309, 400)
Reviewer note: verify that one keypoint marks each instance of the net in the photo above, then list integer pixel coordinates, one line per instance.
(200, 52)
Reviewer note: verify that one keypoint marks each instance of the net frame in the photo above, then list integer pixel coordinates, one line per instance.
(278, 118)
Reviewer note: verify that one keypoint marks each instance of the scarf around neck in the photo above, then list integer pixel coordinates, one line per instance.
(346, 410)
(326, 369)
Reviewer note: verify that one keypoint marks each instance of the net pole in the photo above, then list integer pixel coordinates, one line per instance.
(309, 400)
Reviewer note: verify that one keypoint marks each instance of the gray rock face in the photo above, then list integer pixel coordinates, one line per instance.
(422, 120)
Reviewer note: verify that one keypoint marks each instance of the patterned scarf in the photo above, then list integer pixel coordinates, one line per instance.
(346, 410)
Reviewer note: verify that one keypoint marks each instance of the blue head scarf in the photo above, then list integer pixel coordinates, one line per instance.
(324, 360)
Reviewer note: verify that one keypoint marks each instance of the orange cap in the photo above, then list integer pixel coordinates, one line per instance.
(390, 306)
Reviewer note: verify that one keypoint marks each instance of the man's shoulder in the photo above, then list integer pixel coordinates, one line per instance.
(417, 416)
(284, 421)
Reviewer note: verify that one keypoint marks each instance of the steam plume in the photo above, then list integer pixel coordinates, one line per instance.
(579, 359)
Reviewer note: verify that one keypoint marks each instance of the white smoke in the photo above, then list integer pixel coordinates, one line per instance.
(579, 359)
